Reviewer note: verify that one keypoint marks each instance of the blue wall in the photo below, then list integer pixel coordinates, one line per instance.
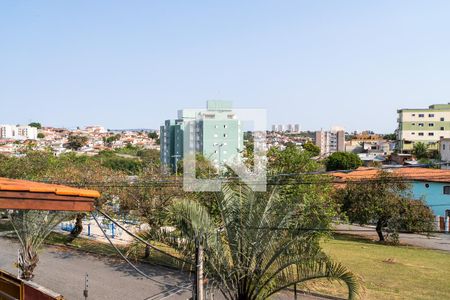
(433, 195)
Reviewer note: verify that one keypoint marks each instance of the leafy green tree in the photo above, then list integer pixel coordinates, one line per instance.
(420, 150)
(256, 248)
(40, 135)
(311, 148)
(390, 137)
(75, 142)
(386, 201)
(153, 135)
(343, 161)
(35, 124)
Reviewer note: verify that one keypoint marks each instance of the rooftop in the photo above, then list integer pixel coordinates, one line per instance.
(412, 173)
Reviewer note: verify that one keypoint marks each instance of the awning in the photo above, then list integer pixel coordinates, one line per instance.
(30, 195)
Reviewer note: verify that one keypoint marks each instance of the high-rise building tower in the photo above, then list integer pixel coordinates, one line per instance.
(215, 133)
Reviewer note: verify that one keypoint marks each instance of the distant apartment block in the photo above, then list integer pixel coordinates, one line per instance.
(427, 125)
(330, 141)
(286, 128)
(216, 133)
(18, 132)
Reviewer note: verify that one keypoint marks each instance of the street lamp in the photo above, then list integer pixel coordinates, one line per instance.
(176, 164)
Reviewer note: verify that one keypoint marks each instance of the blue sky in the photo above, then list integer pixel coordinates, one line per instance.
(132, 64)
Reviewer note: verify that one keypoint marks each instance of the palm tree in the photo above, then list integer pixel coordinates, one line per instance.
(32, 228)
(254, 248)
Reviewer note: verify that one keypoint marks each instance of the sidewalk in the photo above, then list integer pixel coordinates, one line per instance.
(438, 241)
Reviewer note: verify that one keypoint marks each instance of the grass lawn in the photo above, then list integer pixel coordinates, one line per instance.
(389, 272)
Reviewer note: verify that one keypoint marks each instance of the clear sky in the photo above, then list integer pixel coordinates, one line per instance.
(132, 64)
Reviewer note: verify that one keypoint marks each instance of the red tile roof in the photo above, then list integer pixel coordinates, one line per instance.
(409, 173)
(7, 184)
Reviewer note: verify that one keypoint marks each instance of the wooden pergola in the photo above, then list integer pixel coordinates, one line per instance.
(30, 195)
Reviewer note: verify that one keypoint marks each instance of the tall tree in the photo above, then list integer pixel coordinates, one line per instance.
(386, 201)
(343, 161)
(35, 124)
(75, 142)
(256, 248)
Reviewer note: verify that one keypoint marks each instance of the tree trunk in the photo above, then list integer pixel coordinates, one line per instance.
(147, 251)
(78, 225)
(28, 260)
(379, 230)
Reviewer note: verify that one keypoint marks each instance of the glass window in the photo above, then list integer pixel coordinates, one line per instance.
(442, 119)
(420, 124)
(421, 115)
(413, 115)
(420, 133)
(431, 115)
(431, 133)
(447, 190)
(431, 124)
(413, 133)
(413, 124)
(443, 146)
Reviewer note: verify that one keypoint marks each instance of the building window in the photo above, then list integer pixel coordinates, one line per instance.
(413, 124)
(427, 185)
(413, 115)
(413, 133)
(446, 190)
(431, 124)
(443, 146)
(216, 126)
(224, 135)
(225, 126)
(421, 115)
(420, 133)
(442, 128)
(442, 119)
(431, 115)
(431, 133)
(420, 124)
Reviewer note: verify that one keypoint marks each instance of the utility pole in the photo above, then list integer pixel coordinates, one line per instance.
(198, 288)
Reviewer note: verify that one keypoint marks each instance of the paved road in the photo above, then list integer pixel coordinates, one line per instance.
(437, 241)
(62, 270)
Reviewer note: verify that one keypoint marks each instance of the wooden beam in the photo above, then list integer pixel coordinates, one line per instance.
(44, 201)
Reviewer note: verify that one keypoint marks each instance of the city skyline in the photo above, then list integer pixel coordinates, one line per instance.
(132, 66)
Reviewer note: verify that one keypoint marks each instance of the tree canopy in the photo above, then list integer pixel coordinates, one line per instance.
(385, 201)
(343, 161)
(35, 124)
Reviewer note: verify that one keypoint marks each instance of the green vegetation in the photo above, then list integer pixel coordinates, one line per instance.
(343, 161)
(40, 135)
(385, 201)
(153, 135)
(390, 136)
(243, 254)
(75, 142)
(35, 124)
(389, 272)
(420, 150)
(311, 148)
